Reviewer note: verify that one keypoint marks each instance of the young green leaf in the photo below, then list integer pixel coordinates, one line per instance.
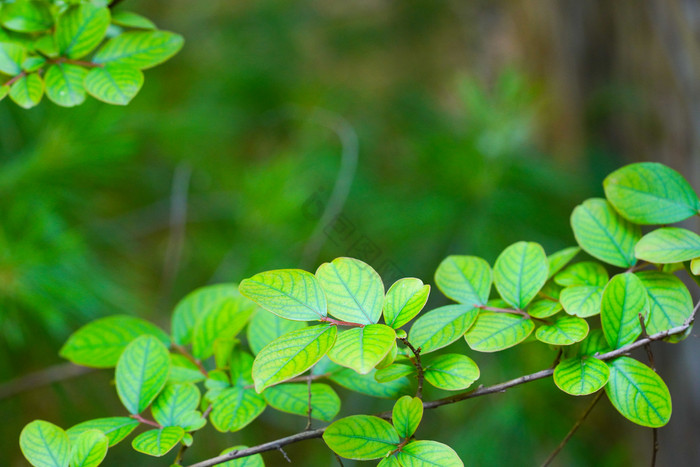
(289, 293)
(651, 193)
(566, 330)
(221, 321)
(45, 445)
(141, 373)
(544, 308)
(266, 327)
(367, 384)
(361, 437)
(235, 408)
(32, 64)
(255, 460)
(354, 290)
(668, 245)
(604, 234)
(292, 354)
(197, 303)
(669, 301)
(11, 58)
(294, 399)
(130, 19)
(115, 428)
(140, 49)
(520, 272)
(498, 331)
(362, 348)
(581, 376)
(390, 356)
(464, 279)
(442, 326)
(158, 442)
(394, 372)
(27, 91)
(26, 16)
(404, 300)
(451, 372)
(582, 300)
(114, 83)
(100, 343)
(560, 259)
(406, 415)
(89, 449)
(391, 461)
(584, 273)
(80, 29)
(427, 453)
(64, 84)
(177, 406)
(624, 299)
(638, 393)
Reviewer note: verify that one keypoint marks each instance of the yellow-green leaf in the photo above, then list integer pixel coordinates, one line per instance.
(235, 408)
(442, 326)
(289, 293)
(265, 327)
(451, 372)
(428, 453)
(140, 49)
(565, 330)
(584, 273)
(89, 449)
(115, 428)
(668, 245)
(520, 272)
(624, 299)
(224, 320)
(464, 279)
(80, 29)
(670, 303)
(27, 91)
(361, 437)
(11, 58)
(294, 398)
(560, 259)
(362, 348)
(581, 376)
(404, 300)
(582, 300)
(114, 83)
(498, 331)
(141, 372)
(196, 304)
(44, 444)
(158, 443)
(406, 415)
(64, 84)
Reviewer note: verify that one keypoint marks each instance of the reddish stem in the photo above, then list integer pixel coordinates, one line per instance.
(327, 319)
(145, 420)
(189, 357)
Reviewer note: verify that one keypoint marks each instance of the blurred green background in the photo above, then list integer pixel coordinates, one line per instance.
(422, 128)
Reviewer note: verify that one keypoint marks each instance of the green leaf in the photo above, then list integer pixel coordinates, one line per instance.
(362, 348)
(638, 393)
(520, 272)
(651, 193)
(195, 304)
(464, 279)
(361, 437)
(292, 354)
(451, 372)
(584, 273)
(224, 320)
(391, 461)
(114, 84)
(544, 308)
(604, 234)
(11, 58)
(141, 373)
(668, 245)
(241, 368)
(216, 382)
(404, 300)
(100, 343)
(255, 460)
(694, 265)
(140, 49)
(670, 303)
(406, 415)
(177, 406)
(289, 293)
(442, 326)
(115, 428)
(367, 384)
(390, 356)
(64, 84)
(44, 444)
(158, 443)
(27, 91)
(266, 327)
(130, 19)
(235, 408)
(80, 29)
(32, 64)
(497, 331)
(354, 290)
(426, 453)
(89, 449)
(581, 376)
(582, 301)
(624, 299)
(26, 16)
(560, 259)
(183, 371)
(46, 45)
(394, 372)
(4, 91)
(566, 330)
(294, 399)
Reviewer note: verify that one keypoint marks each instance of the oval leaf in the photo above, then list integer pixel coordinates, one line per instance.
(80, 29)
(497, 331)
(361, 437)
(362, 348)
(651, 193)
(27, 91)
(196, 304)
(222, 321)
(544, 308)
(566, 330)
(670, 303)
(289, 293)
(266, 327)
(45, 445)
(668, 245)
(404, 300)
(292, 354)
(520, 272)
(624, 299)
(177, 406)
(235, 408)
(638, 393)
(140, 49)
(451, 372)
(64, 84)
(584, 273)
(114, 84)
(442, 326)
(426, 453)
(26, 16)
(115, 428)
(354, 290)
(130, 19)
(560, 259)
(141, 373)
(394, 372)
(294, 399)
(604, 234)
(582, 301)
(406, 415)
(581, 376)
(89, 449)
(464, 279)
(158, 443)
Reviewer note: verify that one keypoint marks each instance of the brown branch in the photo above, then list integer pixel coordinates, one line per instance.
(189, 357)
(309, 408)
(419, 366)
(15, 79)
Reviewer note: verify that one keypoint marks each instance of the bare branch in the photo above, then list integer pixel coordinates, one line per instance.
(418, 364)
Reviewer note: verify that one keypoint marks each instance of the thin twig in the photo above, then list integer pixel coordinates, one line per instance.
(180, 454)
(573, 430)
(340, 461)
(418, 364)
(309, 408)
(189, 357)
(145, 420)
(328, 319)
(655, 443)
(279, 448)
